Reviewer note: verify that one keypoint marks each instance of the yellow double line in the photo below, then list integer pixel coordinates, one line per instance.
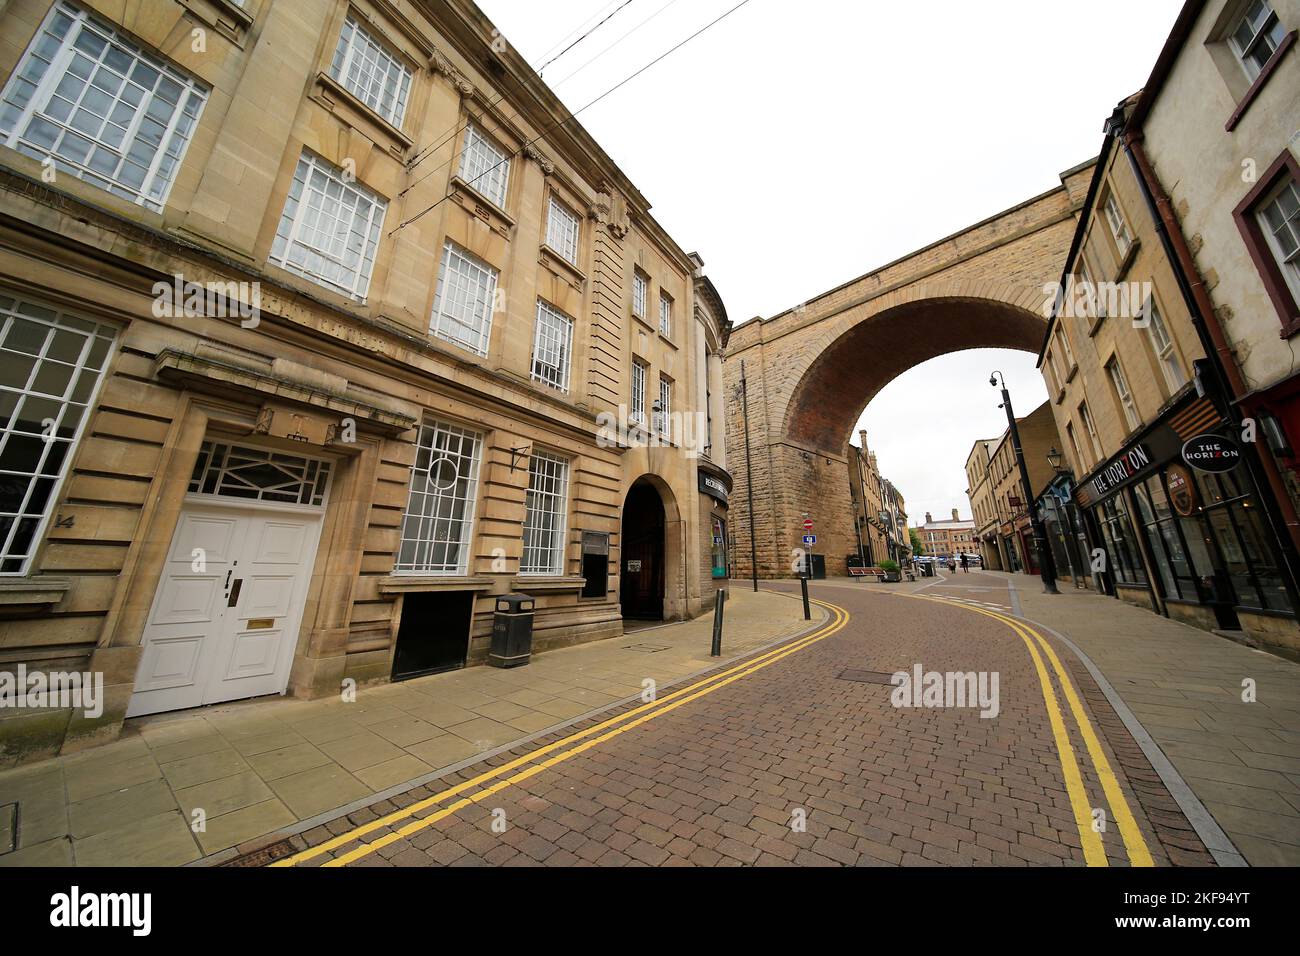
(493, 781)
(1093, 852)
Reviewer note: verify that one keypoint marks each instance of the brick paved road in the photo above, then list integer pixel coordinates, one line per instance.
(722, 780)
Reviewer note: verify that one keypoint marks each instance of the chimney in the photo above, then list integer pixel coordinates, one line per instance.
(954, 515)
(928, 519)
(862, 438)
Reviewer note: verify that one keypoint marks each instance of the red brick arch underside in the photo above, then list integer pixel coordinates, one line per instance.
(856, 364)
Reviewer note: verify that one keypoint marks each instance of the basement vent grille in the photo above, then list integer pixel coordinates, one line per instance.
(648, 648)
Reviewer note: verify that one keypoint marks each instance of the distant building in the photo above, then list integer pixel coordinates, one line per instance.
(879, 512)
(955, 536)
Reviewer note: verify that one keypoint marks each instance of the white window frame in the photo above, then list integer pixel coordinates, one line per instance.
(326, 255)
(1265, 38)
(444, 489)
(1162, 344)
(1067, 353)
(1288, 264)
(369, 71)
(552, 346)
(640, 292)
(86, 370)
(665, 314)
(640, 375)
(562, 230)
(1119, 381)
(1118, 225)
(1090, 427)
(546, 513)
(665, 407)
(121, 137)
(464, 300)
(485, 166)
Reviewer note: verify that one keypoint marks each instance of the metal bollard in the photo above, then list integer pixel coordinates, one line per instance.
(807, 611)
(719, 602)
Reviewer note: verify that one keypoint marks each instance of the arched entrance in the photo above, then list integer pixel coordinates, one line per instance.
(642, 572)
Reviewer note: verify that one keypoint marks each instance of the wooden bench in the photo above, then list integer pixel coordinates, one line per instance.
(879, 573)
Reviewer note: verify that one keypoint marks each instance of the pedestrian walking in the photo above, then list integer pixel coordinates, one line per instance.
(965, 563)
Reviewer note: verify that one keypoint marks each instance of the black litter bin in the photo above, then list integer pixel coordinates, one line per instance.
(818, 567)
(512, 631)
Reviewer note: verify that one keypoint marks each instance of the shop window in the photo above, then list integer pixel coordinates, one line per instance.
(1121, 542)
(718, 548)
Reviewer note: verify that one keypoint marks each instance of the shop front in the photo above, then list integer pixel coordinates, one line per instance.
(715, 490)
(1183, 529)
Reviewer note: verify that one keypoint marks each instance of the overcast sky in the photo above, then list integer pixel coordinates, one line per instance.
(798, 145)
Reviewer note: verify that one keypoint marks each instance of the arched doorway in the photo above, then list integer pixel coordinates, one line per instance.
(642, 570)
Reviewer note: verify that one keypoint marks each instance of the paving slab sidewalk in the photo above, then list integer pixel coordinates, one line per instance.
(257, 767)
(1241, 759)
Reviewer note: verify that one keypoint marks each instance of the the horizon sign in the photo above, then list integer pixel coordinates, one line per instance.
(1122, 468)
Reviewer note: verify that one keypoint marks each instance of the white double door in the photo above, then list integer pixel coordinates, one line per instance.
(226, 616)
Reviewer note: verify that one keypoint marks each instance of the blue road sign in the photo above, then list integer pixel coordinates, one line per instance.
(810, 539)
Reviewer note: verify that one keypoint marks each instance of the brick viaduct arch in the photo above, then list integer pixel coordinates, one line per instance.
(811, 370)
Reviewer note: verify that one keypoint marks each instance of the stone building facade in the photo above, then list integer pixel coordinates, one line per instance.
(1172, 492)
(983, 503)
(1214, 134)
(879, 510)
(324, 325)
(1011, 500)
(947, 536)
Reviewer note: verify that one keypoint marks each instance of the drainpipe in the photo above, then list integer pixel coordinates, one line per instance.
(1281, 514)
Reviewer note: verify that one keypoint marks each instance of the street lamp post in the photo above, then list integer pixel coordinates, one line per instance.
(1046, 562)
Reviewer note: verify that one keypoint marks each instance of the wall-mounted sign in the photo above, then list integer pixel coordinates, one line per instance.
(714, 487)
(1122, 468)
(1182, 491)
(1212, 453)
(634, 566)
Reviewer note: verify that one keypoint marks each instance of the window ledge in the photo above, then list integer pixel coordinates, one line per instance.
(405, 583)
(225, 16)
(561, 266)
(1127, 262)
(1270, 67)
(1074, 370)
(37, 590)
(338, 100)
(1060, 395)
(1095, 324)
(529, 584)
(476, 204)
(666, 340)
(1291, 328)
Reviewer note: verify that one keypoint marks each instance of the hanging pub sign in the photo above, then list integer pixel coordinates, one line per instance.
(1182, 491)
(1213, 453)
